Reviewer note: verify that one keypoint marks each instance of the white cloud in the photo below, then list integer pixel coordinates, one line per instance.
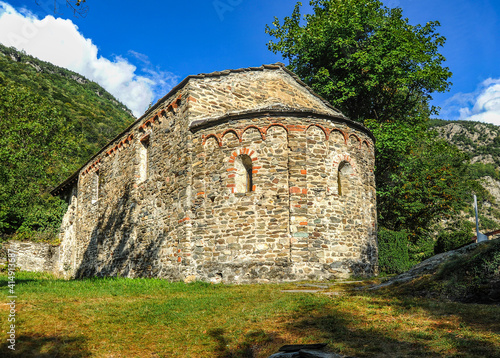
(483, 105)
(58, 41)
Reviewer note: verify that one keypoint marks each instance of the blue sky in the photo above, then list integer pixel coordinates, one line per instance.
(139, 50)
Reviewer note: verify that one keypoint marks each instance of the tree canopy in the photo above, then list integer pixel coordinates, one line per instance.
(364, 58)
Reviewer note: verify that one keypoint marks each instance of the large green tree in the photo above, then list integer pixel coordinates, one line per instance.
(364, 58)
(378, 69)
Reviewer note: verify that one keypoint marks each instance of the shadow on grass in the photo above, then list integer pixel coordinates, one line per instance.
(5, 282)
(38, 346)
(356, 335)
(250, 346)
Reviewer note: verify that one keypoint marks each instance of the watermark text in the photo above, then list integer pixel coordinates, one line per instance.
(11, 286)
(223, 6)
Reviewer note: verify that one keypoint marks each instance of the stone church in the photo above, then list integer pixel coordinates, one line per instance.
(237, 176)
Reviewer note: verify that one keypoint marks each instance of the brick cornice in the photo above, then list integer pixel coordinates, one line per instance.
(276, 112)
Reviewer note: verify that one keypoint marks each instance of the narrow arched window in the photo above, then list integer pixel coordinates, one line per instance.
(143, 158)
(95, 187)
(243, 175)
(344, 172)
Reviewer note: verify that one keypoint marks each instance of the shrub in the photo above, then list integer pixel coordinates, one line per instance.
(452, 239)
(393, 251)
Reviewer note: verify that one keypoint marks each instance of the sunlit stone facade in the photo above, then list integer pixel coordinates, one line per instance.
(236, 176)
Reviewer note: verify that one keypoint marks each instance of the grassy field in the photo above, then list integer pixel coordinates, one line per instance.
(118, 317)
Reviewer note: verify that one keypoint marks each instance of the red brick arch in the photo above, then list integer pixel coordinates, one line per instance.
(262, 134)
(255, 169)
(344, 134)
(205, 138)
(234, 131)
(325, 130)
(357, 137)
(344, 157)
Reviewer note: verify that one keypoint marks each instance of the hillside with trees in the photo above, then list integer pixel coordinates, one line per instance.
(52, 120)
(92, 110)
(480, 142)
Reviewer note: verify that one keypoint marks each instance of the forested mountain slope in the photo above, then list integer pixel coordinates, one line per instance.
(52, 120)
(86, 105)
(481, 142)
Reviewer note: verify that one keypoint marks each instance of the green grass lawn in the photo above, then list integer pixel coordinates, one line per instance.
(119, 317)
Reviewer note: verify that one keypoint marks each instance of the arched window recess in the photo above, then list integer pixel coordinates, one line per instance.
(243, 175)
(343, 178)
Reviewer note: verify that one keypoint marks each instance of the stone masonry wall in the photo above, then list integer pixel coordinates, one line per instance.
(293, 224)
(171, 197)
(236, 91)
(127, 208)
(31, 256)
